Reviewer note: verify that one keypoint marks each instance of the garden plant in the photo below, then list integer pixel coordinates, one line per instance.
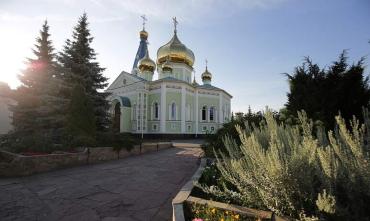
(299, 170)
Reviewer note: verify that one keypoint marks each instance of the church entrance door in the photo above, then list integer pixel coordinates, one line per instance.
(117, 117)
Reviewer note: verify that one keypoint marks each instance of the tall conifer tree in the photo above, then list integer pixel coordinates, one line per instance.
(79, 61)
(323, 93)
(39, 105)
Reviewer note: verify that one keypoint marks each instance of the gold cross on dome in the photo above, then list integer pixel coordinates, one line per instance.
(144, 21)
(175, 22)
(206, 63)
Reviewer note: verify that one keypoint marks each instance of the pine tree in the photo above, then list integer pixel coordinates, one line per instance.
(323, 93)
(39, 106)
(79, 61)
(81, 126)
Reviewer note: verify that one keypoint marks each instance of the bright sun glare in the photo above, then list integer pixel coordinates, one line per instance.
(14, 48)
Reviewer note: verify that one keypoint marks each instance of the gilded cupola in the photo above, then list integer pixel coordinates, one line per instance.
(143, 35)
(206, 76)
(146, 64)
(175, 51)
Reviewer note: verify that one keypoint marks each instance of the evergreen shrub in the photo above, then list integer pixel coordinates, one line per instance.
(299, 171)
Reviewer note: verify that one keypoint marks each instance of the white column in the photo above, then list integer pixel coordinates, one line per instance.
(183, 108)
(196, 112)
(163, 109)
(220, 120)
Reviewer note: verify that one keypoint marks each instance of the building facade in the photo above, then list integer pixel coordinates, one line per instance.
(172, 104)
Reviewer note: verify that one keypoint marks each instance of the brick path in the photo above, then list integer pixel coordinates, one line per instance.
(132, 189)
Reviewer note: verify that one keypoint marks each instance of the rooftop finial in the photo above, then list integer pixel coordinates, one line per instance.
(144, 21)
(206, 64)
(175, 22)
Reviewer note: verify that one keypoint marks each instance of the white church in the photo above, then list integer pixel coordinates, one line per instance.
(173, 104)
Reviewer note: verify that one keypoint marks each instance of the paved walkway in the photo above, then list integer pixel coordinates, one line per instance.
(132, 189)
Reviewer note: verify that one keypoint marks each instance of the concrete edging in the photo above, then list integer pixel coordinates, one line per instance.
(184, 193)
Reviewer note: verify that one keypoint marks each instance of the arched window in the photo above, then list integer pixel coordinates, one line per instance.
(173, 111)
(212, 114)
(156, 110)
(204, 113)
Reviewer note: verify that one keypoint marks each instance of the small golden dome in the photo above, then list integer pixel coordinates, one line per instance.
(206, 75)
(146, 64)
(176, 52)
(144, 34)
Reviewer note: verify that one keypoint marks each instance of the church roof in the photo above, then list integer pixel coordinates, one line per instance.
(143, 47)
(136, 76)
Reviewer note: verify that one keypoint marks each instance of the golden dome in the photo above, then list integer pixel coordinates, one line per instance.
(176, 52)
(146, 64)
(206, 75)
(144, 34)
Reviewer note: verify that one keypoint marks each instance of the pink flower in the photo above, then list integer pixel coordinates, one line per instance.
(197, 219)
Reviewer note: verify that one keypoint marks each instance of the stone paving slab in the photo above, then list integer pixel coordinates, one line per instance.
(137, 188)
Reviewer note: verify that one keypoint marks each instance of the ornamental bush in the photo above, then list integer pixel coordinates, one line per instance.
(300, 171)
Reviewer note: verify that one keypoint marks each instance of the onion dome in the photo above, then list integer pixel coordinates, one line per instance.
(166, 66)
(146, 64)
(143, 34)
(176, 52)
(206, 76)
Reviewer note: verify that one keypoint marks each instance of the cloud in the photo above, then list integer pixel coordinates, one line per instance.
(14, 17)
(188, 11)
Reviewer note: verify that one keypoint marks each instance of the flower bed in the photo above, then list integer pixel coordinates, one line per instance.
(197, 209)
(193, 204)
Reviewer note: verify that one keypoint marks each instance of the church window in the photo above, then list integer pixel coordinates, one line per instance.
(189, 128)
(204, 113)
(212, 114)
(204, 128)
(173, 111)
(156, 110)
(212, 128)
(124, 82)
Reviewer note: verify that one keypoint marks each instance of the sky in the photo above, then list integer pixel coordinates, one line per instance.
(249, 44)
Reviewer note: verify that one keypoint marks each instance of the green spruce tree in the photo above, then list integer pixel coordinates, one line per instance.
(81, 123)
(38, 112)
(323, 93)
(79, 62)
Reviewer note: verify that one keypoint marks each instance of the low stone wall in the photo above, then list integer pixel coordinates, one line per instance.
(19, 165)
